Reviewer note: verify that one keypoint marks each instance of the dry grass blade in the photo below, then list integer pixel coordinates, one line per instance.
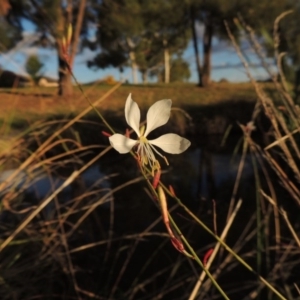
(42, 147)
(284, 214)
(216, 248)
(295, 235)
(297, 288)
(66, 183)
(279, 140)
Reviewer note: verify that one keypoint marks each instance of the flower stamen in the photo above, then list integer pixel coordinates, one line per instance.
(146, 154)
(157, 115)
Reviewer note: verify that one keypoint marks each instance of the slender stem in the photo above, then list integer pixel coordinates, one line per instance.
(90, 103)
(237, 257)
(197, 259)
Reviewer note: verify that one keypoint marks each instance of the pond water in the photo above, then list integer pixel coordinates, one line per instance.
(201, 170)
(121, 257)
(40, 185)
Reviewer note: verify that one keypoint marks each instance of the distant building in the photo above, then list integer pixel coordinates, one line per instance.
(47, 82)
(9, 79)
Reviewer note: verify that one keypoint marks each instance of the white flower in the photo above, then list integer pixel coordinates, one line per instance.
(158, 115)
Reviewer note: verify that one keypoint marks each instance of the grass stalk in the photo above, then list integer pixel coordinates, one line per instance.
(216, 249)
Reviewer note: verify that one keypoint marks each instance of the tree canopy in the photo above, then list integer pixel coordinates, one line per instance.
(147, 36)
(34, 66)
(141, 34)
(51, 19)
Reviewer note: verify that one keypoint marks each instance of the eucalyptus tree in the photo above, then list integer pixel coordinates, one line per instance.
(210, 15)
(119, 33)
(179, 71)
(260, 14)
(166, 27)
(51, 19)
(141, 34)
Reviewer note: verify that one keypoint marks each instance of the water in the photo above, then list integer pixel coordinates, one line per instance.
(120, 253)
(197, 174)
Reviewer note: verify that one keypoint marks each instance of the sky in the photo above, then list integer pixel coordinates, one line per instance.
(225, 62)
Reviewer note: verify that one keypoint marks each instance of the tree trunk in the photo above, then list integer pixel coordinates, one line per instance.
(64, 19)
(121, 74)
(195, 42)
(65, 87)
(145, 76)
(133, 67)
(167, 62)
(76, 35)
(207, 40)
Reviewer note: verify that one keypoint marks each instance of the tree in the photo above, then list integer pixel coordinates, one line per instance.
(33, 67)
(193, 21)
(144, 41)
(52, 18)
(9, 34)
(165, 23)
(180, 70)
(119, 35)
(212, 14)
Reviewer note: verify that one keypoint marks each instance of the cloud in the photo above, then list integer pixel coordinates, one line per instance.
(29, 51)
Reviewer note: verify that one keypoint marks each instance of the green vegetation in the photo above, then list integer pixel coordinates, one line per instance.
(158, 32)
(33, 67)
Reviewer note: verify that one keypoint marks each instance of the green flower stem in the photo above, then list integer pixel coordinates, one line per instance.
(194, 254)
(197, 258)
(90, 103)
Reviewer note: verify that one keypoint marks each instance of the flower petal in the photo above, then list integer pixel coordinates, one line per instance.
(132, 114)
(158, 115)
(171, 143)
(121, 143)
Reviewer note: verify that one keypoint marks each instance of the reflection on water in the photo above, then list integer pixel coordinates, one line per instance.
(213, 170)
(199, 170)
(204, 174)
(40, 184)
(199, 173)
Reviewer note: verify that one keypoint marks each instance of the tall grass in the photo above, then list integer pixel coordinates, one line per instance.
(106, 239)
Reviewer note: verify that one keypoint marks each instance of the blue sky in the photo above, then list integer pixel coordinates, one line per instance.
(225, 62)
